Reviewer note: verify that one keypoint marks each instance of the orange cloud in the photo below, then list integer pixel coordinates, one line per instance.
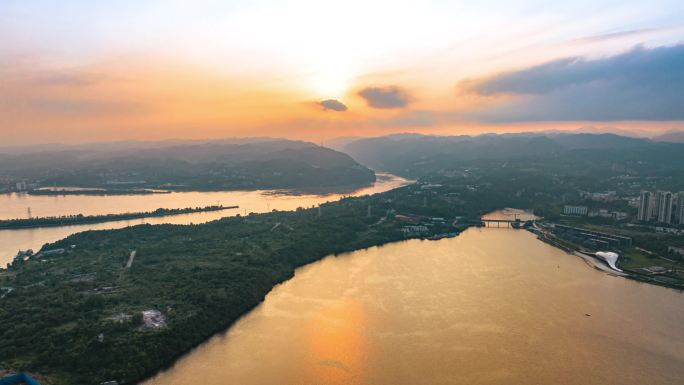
(160, 98)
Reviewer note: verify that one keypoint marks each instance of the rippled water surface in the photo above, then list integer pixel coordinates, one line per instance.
(492, 306)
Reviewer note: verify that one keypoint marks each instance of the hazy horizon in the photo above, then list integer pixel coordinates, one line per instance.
(327, 142)
(78, 72)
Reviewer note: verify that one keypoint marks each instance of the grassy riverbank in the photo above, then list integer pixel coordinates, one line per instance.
(636, 262)
(79, 219)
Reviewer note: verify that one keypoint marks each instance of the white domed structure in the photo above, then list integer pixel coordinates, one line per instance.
(610, 258)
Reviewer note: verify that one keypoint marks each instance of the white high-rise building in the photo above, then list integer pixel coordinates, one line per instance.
(679, 217)
(664, 206)
(653, 207)
(645, 206)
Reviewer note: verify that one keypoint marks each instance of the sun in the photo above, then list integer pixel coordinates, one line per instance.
(331, 78)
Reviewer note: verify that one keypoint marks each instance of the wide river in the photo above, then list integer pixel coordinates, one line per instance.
(491, 306)
(17, 206)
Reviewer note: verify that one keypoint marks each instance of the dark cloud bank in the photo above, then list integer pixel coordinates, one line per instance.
(642, 84)
(333, 105)
(385, 97)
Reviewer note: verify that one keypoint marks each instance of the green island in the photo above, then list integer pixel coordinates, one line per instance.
(104, 191)
(80, 219)
(119, 305)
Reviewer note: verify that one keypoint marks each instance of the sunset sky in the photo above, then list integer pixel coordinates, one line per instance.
(80, 71)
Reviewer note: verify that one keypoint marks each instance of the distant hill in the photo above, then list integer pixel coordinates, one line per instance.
(674, 136)
(414, 156)
(216, 165)
(340, 142)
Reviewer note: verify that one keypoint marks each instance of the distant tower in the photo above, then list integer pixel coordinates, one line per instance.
(680, 208)
(320, 213)
(645, 206)
(29, 212)
(664, 206)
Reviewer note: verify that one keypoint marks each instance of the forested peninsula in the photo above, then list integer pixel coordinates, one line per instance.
(81, 219)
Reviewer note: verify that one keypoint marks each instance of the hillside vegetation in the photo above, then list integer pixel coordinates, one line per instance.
(217, 165)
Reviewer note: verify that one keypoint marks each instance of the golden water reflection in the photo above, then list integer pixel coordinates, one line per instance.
(337, 343)
(491, 306)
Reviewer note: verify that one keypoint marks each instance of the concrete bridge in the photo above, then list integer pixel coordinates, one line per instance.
(514, 223)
